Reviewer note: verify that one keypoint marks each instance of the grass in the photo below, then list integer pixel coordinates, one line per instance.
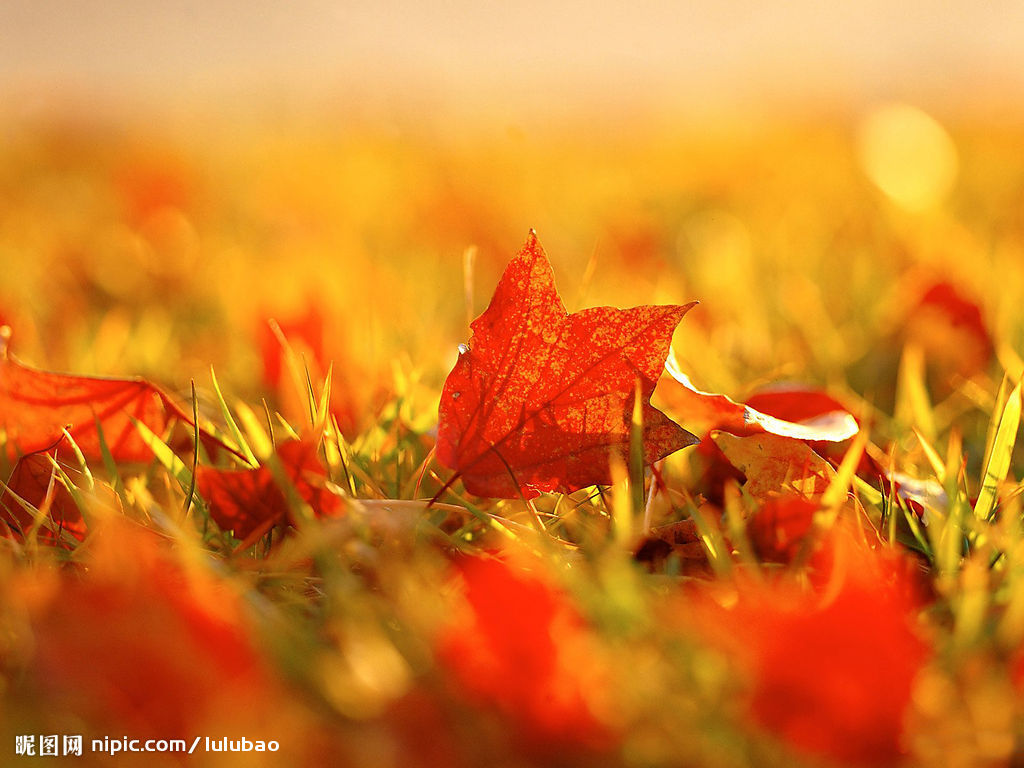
(132, 253)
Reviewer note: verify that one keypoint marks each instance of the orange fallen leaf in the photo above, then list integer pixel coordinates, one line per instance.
(36, 406)
(797, 412)
(774, 464)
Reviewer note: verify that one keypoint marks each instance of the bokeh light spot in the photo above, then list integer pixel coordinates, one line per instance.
(908, 155)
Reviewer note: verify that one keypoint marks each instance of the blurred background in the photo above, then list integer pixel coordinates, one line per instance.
(685, 56)
(171, 170)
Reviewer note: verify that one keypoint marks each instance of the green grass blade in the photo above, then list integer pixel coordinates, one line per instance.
(236, 433)
(195, 453)
(914, 404)
(993, 424)
(73, 491)
(916, 532)
(167, 458)
(40, 518)
(636, 453)
(938, 466)
(110, 465)
(710, 537)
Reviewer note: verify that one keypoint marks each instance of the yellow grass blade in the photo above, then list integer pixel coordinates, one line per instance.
(998, 463)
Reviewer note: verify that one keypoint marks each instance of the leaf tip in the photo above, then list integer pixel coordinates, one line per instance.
(532, 244)
(681, 310)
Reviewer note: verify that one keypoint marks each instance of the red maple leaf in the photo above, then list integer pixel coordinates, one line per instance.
(540, 400)
(249, 500)
(36, 406)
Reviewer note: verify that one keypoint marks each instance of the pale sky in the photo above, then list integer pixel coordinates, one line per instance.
(728, 50)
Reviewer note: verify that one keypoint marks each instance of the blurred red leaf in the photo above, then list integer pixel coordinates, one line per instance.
(135, 641)
(523, 648)
(779, 527)
(831, 673)
(424, 732)
(305, 332)
(1016, 671)
(35, 407)
(34, 480)
(248, 500)
(950, 328)
(540, 400)
(357, 392)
